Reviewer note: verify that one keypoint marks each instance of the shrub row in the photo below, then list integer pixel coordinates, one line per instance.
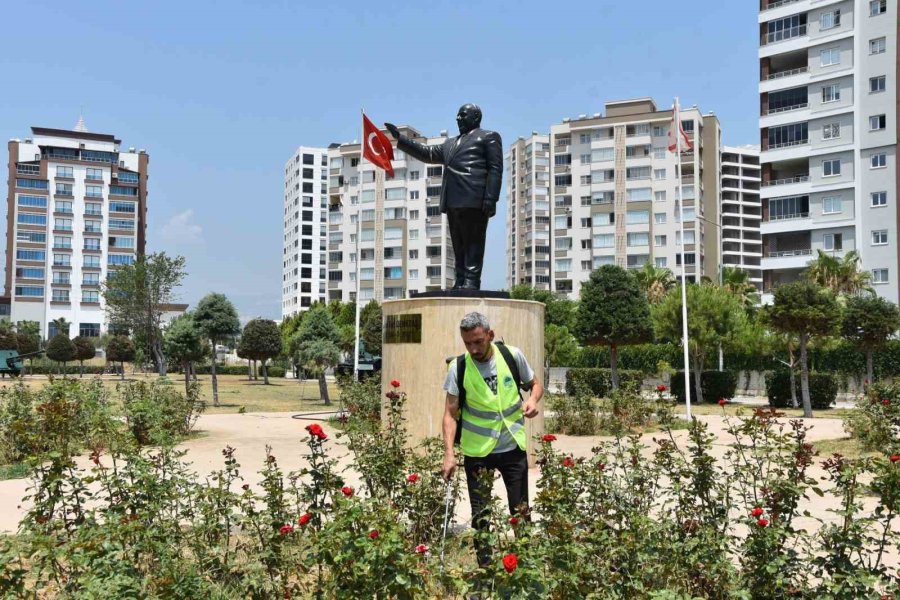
(823, 389)
(239, 370)
(598, 382)
(713, 384)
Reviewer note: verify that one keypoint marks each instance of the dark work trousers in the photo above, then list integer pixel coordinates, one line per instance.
(468, 229)
(513, 467)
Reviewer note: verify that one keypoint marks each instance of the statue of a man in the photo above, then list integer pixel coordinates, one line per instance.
(473, 172)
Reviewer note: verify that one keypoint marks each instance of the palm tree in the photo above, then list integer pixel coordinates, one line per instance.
(655, 281)
(841, 275)
(737, 282)
(62, 325)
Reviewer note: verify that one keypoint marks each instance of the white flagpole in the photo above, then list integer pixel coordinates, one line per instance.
(676, 124)
(362, 141)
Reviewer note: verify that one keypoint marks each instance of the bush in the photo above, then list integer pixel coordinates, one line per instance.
(875, 421)
(823, 389)
(274, 371)
(598, 383)
(574, 414)
(157, 413)
(714, 384)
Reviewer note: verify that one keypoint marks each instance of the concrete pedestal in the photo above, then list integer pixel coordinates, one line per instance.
(420, 334)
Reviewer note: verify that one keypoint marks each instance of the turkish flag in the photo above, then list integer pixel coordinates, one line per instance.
(377, 147)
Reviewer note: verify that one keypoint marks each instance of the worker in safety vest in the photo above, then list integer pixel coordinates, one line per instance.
(492, 419)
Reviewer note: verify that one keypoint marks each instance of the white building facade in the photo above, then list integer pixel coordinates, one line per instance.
(828, 133)
(528, 208)
(741, 211)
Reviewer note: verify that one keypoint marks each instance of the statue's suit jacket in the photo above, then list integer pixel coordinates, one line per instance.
(473, 168)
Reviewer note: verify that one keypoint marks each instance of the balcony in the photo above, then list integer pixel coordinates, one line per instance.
(786, 181)
(784, 109)
(790, 253)
(779, 3)
(787, 73)
(786, 217)
(783, 35)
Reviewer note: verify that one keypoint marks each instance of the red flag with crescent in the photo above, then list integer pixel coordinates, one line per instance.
(377, 147)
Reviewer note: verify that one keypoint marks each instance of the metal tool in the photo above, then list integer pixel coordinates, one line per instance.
(448, 496)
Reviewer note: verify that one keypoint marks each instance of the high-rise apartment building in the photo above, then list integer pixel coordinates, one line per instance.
(76, 209)
(828, 132)
(391, 226)
(610, 196)
(741, 211)
(305, 213)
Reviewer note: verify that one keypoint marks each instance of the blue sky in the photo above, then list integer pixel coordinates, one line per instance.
(220, 94)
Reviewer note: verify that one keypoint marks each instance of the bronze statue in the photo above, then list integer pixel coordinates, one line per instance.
(473, 172)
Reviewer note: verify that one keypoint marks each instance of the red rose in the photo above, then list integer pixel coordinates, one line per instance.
(315, 430)
(548, 437)
(421, 549)
(886, 402)
(395, 383)
(895, 458)
(245, 487)
(392, 395)
(601, 466)
(347, 491)
(661, 388)
(514, 521)
(412, 477)
(722, 401)
(757, 512)
(304, 519)
(510, 562)
(763, 522)
(286, 529)
(374, 534)
(343, 418)
(568, 462)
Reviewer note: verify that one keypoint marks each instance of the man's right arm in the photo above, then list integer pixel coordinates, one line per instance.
(423, 152)
(451, 409)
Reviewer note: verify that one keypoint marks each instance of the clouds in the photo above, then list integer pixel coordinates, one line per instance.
(180, 230)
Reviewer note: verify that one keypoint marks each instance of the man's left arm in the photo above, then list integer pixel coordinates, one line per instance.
(494, 164)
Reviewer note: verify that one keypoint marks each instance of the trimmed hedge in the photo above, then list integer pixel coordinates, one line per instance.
(599, 382)
(823, 389)
(239, 370)
(714, 384)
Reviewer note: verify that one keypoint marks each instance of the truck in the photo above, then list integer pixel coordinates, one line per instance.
(11, 361)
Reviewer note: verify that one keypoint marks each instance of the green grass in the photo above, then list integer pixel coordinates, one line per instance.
(13, 471)
(732, 410)
(848, 447)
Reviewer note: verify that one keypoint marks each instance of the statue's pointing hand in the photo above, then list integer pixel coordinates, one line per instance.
(393, 129)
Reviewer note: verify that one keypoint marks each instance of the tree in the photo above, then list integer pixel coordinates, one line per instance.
(8, 338)
(654, 281)
(217, 318)
(261, 341)
(560, 347)
(28, 337)
(84, 350)
(868, 322)
(136, 297)
(370, 327)
(120, 349)
(316, 346)
(613, 312)
(842, 276)
(714, 317)
(62, 326)
(185, 345)
(737, 283)
(558, 310)
(61, 349)
(804, 309)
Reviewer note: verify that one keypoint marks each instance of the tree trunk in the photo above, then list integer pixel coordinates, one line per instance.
(614, 366)
(323, 388)
(187, 377)
(122, 371)
(792, 372)
(265, 370)
(698, 371)
(215, 382)
(156, 349)
(870, 369)
(82, 369)
(804, 378)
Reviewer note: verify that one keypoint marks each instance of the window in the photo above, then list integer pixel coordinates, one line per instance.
(563, 264)
(60, 296)
(660, 196)
(659, 218)
(123, 177)
(31, 273)
(830, 19)
(638, 239)
(562, 159)
(831, 167)
(878, 276)
(121, 224)
(30, 219)
(97, 175)
(831, 131)
(89, 329)
(563, 180)
(395, 194)
(414, 195)
(309, 159)
(35, 201)
(877, 7)
(62, 224)
(393, 272)
(120, 259)
(633, 217)
(832, 241)
(877, 46)
(638, 194)
(62, 206)
(23, 254)
(659, 241)
(831, 93)
(92, 208)
(830, 56)
(31, 236)
(602, 154)
(831, 205)
(660, 262)
(122, 207)
(605, 240)
(878, 199)
(877, 84)
(64, 189)
(62, 241)
(61, 277)
(90, 296)
(89, 261)
(877, 122)
(879, 237)
(432, 191)
(93, 191)
(413, 235)
(393, 233)
(127, 191)
(27, 290)
(585, 222)
(64, 171)
(878, 161)
(90, 279)
(91, 243)
(604, 218)
(33, 184)
(689, 213)
(62, 260)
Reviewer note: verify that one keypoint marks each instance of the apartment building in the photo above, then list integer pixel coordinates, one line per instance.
(391, 226)
(528, 209)
(304, 236)
(828, 132)
(614, 188)
(76, 209)
(741, 211)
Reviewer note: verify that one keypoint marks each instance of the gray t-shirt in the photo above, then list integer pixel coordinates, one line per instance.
(488, 371)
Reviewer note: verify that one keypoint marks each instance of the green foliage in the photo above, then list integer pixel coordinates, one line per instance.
(654, 281)
(868, 323)
(362, 399)
(803, 308)
(370, 325)
(842, 276)
(598, 382)
(238, 370)
(560, 347)
(217, 318)
(875, 421)
(261, 340)
(8, 338)
(558, 309)
(715, 385)
(61, 349)
(120, 349)
(156, 413)
(84, 348)
(184, 342)
(612, 311)
(823, 389)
